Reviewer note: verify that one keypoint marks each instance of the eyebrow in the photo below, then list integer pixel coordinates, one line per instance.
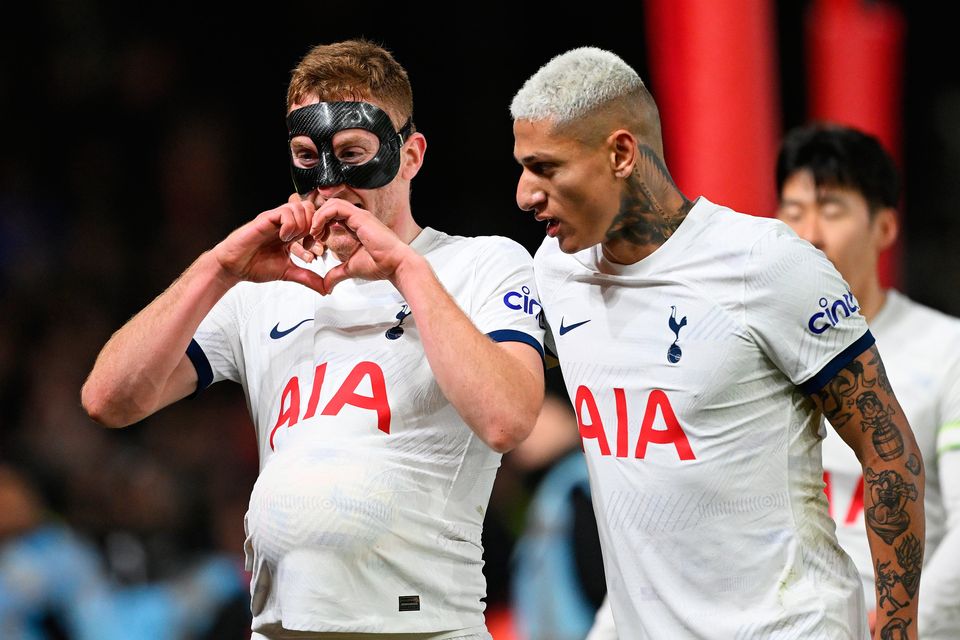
(534, 158)
(301, 144)
(830, 198)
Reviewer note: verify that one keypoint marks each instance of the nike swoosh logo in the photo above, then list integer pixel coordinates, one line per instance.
(570, 327)
(276, 334)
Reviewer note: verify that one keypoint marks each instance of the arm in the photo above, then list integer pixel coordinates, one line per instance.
(143, 367)
(497, 388)
(861, 406)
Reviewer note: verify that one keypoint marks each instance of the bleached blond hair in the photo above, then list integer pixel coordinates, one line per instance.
(574, 83)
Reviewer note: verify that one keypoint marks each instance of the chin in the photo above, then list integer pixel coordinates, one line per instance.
(569, 245)
(343, 245)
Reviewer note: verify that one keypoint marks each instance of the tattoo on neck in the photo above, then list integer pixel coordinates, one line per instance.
(652, 207)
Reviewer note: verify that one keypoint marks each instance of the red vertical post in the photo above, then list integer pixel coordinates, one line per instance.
(855, 77)
(713, 67)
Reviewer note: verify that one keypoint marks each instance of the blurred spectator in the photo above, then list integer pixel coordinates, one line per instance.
(558, 580)
(52, 584)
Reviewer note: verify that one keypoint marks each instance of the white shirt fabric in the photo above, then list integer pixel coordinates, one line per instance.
(716, 527)
(920, 348)
(367, 513)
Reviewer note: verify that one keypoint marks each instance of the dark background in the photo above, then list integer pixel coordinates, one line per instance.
(135, 137)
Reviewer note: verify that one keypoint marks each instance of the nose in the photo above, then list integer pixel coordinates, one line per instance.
(529, 195)
(809, 229)
(321, 194)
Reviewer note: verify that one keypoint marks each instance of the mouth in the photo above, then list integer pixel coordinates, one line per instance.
(553, 225)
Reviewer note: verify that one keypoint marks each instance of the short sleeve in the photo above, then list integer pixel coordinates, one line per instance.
(505, 305)
(800, 311)
(216, 351)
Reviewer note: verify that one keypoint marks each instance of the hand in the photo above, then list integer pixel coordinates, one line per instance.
(298, 249)
(259, 251)
(379, 253)
(872, 621)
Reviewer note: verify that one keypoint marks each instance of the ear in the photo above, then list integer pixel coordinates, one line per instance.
(411, 155)
(622, 149)
(885, 228)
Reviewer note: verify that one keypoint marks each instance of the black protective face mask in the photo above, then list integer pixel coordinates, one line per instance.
(322, 121)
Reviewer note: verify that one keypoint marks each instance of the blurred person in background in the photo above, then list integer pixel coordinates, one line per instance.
(53, 585)
(378, 447)
(839, 190)
(557, 573)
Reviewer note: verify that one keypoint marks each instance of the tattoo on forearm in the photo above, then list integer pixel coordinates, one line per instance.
(910, 557)
(896, 629)
(652, 207)
(886, 437)
(851, 391)
(837, 396)
(913, 464)
(882, 378)
(887, 579)
(887, 516)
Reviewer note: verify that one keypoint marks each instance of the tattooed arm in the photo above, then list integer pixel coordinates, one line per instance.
(861, 406)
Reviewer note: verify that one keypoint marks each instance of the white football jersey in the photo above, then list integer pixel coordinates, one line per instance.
(928, 389)
(689, 372)
(367, 512)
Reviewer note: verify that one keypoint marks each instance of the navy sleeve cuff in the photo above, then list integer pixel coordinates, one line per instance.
(511, 335)
(201, 364)
(833, 367)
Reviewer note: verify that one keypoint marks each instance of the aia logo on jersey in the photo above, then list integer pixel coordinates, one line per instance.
(830, 316)
(522, 301)
(658, 403)
(674, 353)
(364, 374)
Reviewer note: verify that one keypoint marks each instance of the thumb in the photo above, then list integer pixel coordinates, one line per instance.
(336, 275)
(307, 278)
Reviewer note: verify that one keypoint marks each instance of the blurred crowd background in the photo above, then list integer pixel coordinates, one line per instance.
(134, 137)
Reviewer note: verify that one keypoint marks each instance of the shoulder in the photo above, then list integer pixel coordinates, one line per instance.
(499, 246)
(933, 324)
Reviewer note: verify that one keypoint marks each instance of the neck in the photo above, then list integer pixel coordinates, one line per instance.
(871, 296)
(651, 209)
(405, 227)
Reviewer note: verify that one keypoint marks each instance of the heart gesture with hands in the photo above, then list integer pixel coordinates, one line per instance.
(379, 254)
(259, 251)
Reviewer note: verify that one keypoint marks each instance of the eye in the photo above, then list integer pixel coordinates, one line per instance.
(790, 213)
(832, 211)
(354, 155)
(545, 169)
(355, 146)
(305, 158)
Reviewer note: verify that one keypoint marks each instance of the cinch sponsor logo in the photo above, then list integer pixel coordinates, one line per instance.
(517, 301)
(830, 316)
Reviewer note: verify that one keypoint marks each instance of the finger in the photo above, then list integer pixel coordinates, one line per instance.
(301, 218)
(336, 275)
(315, 246)
(299, 249)
(288, 224)
(295, 220)
(294, 197)
(307, 278)
(335, 208)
